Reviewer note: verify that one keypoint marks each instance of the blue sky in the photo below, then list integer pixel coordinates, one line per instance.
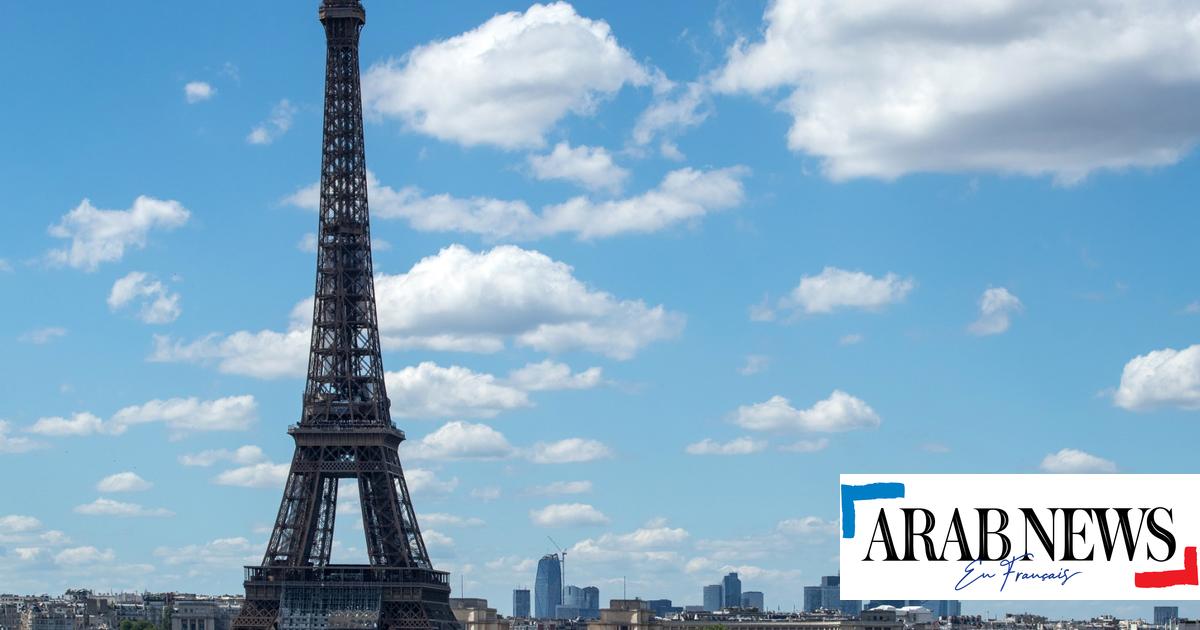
(651, 277)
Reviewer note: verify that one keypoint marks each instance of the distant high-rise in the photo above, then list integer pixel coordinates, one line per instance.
(940, 607)
(712, 597)
(548, 587)
(591, 602)
(752, 599)
(1164, 615)
(828, 596)
(521, 603)
(661, 607)
(732, 590)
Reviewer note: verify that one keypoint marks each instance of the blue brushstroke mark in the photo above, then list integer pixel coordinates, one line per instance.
(850, 494)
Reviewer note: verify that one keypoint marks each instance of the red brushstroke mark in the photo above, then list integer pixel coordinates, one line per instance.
(1162, 579)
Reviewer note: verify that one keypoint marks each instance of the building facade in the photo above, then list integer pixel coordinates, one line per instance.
(753, 599)
(548, 587)
(712, 597)
(520, 607)
(827, 596)
(1164, 615)
(731, 587)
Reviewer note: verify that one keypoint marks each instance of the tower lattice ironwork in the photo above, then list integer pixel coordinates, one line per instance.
(345, 430)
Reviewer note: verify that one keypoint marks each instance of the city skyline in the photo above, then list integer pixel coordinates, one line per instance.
(650, 299)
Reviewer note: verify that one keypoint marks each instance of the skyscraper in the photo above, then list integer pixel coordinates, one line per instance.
(1164, 615)
(827, 595)
(548, 587)
(752, 599)
(712, 597)
(732, 591)
(520, 603)
(591, 602)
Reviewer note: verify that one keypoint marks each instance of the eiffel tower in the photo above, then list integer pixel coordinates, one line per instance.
(345, 429)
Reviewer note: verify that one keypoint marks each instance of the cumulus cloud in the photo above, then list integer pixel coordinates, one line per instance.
(109, 507)
(40, 336)
(568, 451)
(1070, 460)
(552, 375)
(996, 308)
(506, 82)
(459, 300)
(428, 390)
(197, 91)
(99, 236)
(181, 415)
(248, 454)
(425, 481)
(438, 519)
(563, 487)
(839, 412)
(754, 364)
(590, 167)
(15, 444)
(82, 423)
(275, 125)
(738, 446)
(76, 556)
(123, 482)
(18, 524)
(684, 195)
(1025, 87)
(674, 109)
(807, 526)
(260, 475)
(835, 289)
(1161, 378)
(460, 440)
(567, 515)
(221, 553)
(156, 303)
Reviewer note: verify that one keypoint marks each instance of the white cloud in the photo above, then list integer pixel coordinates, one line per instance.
(108, 507)
(851, 339)
(739, 446)
(670, 114)
(18, 524)
(834, 289)
(260, 475)
(221, 553)
(75, 556)
(15, 444)
(275, 125)
(754, 364)
(506, 82)
(123, 482)
(568, 451)
(806, 446)
(158, 305)
(460, 440)
(434, 538)
(563, 487)
(885, 89)
(567, 515)
(1161, 378)
(462, 301)
(44, 335)
(248, 454)
(551, 375)
(839, 412)
(196, 91)
(307, 243)
(590, 167)
(1069, 460)
(996, 308)
(425, 481)
(5, 266)
(656, 533)
(486, 493)
(100, 236)
(806, 526)
(82, 423)
(431, 391)
(185, 415)
(262, 354)
(438, 519)
(684, 195)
